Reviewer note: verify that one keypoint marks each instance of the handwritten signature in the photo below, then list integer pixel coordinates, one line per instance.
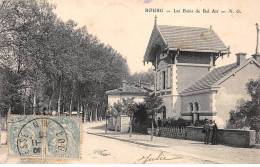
(159, 157)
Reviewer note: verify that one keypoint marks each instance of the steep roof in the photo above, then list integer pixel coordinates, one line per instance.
(191, 39)
(211, 78)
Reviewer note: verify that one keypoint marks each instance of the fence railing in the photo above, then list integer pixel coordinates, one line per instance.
(176, 132)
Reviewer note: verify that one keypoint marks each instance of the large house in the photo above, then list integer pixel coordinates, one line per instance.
(187, 79)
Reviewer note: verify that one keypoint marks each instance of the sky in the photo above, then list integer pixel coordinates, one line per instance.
(126, 26)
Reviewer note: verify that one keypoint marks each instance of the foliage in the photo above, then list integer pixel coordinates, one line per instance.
(10, 84)
(120, 108)
(54, 64)
(141, 114)
(147, 77)
(153, 104)
(247, 113)
(130, 106)
(173, 122)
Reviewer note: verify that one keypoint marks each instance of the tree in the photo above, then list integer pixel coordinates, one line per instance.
(154, 105)
(141, 114)
(143, 76)
(54, 64)
(115, 114)
(247, 113)
(109, 113)
(131, 109)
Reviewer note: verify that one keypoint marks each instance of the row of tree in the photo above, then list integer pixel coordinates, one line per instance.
(48, 64)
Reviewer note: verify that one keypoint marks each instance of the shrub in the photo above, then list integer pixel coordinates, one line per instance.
(173, 122)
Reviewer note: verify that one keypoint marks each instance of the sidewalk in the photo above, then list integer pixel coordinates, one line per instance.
(194, 149)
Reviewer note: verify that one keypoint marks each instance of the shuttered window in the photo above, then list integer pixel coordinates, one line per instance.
(158, 80)
(166, 79)
(169, 83)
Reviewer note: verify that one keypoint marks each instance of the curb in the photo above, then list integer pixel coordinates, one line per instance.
(214, 161)
(129, 141)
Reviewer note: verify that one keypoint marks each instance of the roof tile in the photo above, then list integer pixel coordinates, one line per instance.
(191, 38)
(211, 78)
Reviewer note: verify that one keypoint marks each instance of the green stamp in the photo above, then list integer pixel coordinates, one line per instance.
(44, 137)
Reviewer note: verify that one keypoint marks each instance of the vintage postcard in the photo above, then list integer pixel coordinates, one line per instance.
(129, 82)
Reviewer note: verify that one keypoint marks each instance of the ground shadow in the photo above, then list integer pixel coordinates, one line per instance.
(101, 127)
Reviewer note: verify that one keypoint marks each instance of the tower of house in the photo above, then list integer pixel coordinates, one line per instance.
(181, 55)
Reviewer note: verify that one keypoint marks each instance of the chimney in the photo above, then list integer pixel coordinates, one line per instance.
(241, 57)
(257, 55)
(124, 85)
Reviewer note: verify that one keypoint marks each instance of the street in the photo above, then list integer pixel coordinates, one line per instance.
(116, 148)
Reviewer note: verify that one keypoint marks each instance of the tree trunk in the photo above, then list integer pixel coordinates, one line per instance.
(96, 114)
(90, 116)
(152, 130)
(131, 125)
(116, 125)
(34, 102)
(71, 105)
(78, 109)
(63, 107)
(81, 108)
(86, 112)
(24, 102)
(59, 103)
(105, 129)
(59, 100)
(50, 102)
(49, 106)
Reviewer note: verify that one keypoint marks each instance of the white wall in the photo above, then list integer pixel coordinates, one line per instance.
(234, 89)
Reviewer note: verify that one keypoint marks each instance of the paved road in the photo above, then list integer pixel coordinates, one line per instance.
(98, 149)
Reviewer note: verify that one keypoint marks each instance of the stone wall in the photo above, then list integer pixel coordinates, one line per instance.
(231, 137)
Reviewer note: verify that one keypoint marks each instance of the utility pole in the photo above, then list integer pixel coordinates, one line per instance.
(257, 32)
(0, 129)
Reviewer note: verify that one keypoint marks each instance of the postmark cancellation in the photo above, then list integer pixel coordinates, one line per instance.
(46, 137)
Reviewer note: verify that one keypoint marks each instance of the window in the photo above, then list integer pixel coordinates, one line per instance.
(169, 84)
(158, 79)
(163, 80)
(196, 106)
(190, 106)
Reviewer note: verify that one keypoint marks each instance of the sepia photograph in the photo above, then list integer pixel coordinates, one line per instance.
(129, 82)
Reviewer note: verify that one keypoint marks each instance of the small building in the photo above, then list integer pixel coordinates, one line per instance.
(187, 79)
(129, 90)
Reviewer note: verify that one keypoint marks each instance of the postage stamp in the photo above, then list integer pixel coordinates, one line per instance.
(43, 137)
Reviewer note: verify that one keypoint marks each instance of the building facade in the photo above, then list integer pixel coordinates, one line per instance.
(187, 79)
(126, 91)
